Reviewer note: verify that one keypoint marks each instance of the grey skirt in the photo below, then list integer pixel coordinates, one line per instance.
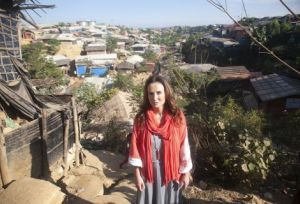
(156, 192)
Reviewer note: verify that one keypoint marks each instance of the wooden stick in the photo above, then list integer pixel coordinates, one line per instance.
(75, 117)
(66, 142)
(3, 158)
(45, 164)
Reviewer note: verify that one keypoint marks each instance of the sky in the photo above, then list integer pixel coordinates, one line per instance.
(158, 13)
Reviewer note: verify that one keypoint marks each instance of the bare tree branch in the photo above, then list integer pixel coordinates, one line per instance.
(221, 8)
(244, 8)
(290, 10)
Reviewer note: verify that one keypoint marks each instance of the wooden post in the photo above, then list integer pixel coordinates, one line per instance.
(75, 117)
(3, 158)
(45, 164)
(66, 142)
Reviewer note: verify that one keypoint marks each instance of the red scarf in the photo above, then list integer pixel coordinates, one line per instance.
(172, 134)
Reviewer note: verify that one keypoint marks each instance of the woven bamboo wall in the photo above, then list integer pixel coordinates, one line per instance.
(24, 146)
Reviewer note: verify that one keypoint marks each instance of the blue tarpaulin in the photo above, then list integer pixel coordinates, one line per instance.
(80, 70)
(98, 71)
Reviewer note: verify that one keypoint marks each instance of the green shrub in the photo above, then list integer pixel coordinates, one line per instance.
(87, 93)
(238, 148)
(123, 82)
(115, 137)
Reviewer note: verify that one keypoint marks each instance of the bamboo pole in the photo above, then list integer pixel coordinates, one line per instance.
(45, 164)
(75, 117)
(3, 159)
(66, 142)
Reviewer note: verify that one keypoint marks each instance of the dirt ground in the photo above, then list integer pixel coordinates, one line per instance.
(118, 184)
(70, 51)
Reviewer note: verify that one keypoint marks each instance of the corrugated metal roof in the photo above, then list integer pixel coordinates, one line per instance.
(233, 72)
(275, 86)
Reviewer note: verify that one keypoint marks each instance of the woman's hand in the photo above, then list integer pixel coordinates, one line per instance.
(139, 182)
(185, 180)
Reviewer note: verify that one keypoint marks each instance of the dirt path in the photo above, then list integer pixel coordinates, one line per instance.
(119, 184)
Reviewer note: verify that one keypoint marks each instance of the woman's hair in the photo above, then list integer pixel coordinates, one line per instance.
(170, 104)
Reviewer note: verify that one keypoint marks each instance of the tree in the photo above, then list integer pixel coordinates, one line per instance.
(53, 46)
(61, 24)
(111, 44)
(285, 27)
(275, 27)
(220, 7)
(38, 66)
(150, 55)
(123, 82)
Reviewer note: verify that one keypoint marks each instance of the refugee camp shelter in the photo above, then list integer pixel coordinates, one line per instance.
(33, 128)
(125, 67)
(277, 93)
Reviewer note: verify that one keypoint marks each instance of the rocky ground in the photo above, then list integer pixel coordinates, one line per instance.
(100, 180)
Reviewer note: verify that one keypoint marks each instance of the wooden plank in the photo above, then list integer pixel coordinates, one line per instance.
(45, 163)
(3, 158)
(75, 117)
(66, 143)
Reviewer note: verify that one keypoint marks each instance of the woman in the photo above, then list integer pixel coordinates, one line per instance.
(159, 148)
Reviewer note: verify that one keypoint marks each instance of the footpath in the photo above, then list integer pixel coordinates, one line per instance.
(99, 180)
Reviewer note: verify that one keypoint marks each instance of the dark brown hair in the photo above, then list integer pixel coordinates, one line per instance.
(170, 104)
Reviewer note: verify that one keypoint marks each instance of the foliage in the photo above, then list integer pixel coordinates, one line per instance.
(285, 129)
(137, 97)
(123, 82)
(115, 137)
(111, 44)
(185, 82)
(197, 50)
(141, 68)
(150, 55)
(236, 149)
(273, 28)
(53, 46)
(38, 66)
(245, 153)
(166, 38)
(61, 24)
(87, 94)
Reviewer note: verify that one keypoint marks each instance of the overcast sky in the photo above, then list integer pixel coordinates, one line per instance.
(158, 13)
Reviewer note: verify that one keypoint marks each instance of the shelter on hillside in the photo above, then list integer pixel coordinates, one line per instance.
(34, 126)
(197, 68)
(95, 48)
(134, 59)
(60, 61)
(125, 66)
(230, 73)
(277, 93)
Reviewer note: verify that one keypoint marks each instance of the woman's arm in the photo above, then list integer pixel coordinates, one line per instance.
(185, 162)
(139, 182)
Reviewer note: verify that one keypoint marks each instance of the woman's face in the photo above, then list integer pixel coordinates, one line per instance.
(156, 95)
